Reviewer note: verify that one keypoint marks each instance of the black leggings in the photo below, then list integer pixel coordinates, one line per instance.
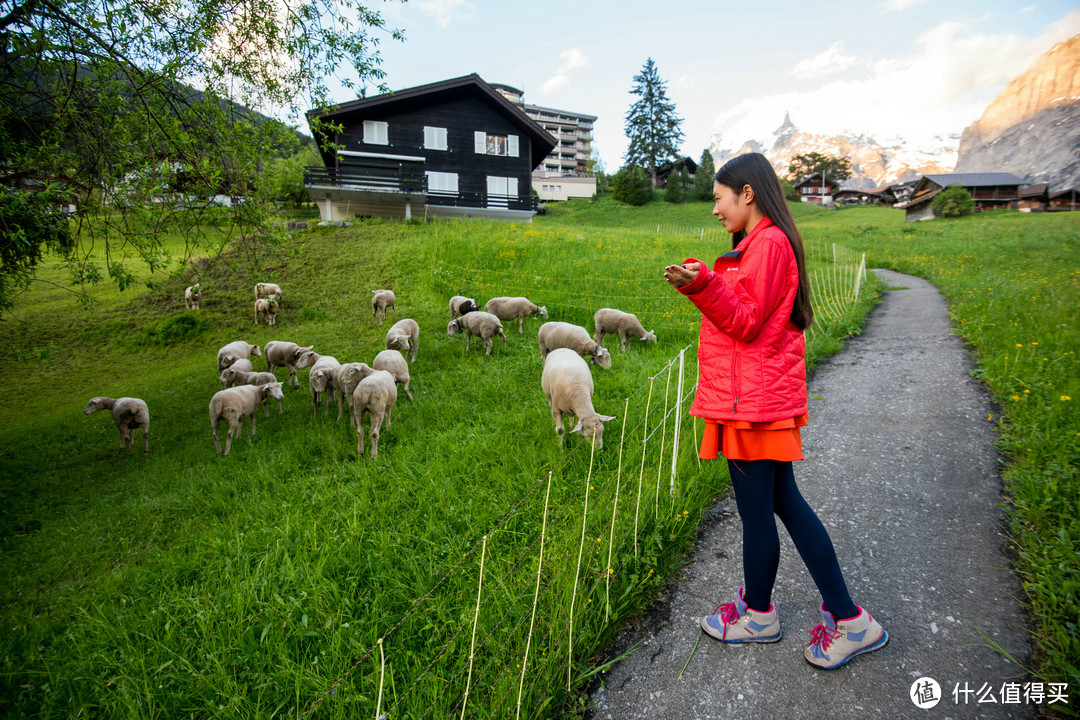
(765, 487)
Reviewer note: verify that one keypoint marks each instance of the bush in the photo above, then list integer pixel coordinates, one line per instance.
(171, 330)
(953, 201)
(790, 193)
(632, 185)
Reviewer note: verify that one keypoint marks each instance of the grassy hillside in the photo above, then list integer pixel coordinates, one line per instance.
(186, 584)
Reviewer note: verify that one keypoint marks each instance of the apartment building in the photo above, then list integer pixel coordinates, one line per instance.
(563, 174)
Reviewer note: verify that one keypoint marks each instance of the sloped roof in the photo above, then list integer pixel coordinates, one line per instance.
(975, 179)
(466, 86)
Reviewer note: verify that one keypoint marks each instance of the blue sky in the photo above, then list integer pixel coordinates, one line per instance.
(915, 69)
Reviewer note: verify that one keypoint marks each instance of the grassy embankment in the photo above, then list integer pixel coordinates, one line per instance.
(186, 584)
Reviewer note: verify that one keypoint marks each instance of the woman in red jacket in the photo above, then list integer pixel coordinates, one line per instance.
(755, 303)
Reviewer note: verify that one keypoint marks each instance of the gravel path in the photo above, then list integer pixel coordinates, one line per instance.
(901, 467)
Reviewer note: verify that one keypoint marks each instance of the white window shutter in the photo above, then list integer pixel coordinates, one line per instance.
(512, 145)
(480, 142)
(512, 186)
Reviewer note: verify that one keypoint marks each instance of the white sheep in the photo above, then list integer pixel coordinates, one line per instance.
(231, 377)
(267, 307)
(265, 290)
(566, 335)
(319, 381)
(568, 385)
(237, 349)
(509, 308)
(380, 301)
(609, 320)
(404, 335)
(375, 394)
(128, 414)
(281, 353)
(192, 297)
(392, 362)
(344, 379)
(241, 365)
(480, 323)
(237, 403)
(459, 305)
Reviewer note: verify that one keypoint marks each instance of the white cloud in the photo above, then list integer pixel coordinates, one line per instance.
(572, 60)
(898, 5)
(447, 11)
(829, 62)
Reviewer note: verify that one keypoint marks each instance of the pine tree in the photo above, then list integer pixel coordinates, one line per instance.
(652, 127)
(703, 178)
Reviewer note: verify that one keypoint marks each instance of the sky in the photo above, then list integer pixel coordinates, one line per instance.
(921, 70)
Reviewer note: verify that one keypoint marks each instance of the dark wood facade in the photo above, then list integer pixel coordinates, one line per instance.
(816, 189)
(455, 147)
(988, 190)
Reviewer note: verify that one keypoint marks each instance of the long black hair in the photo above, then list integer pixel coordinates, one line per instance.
(753, 169)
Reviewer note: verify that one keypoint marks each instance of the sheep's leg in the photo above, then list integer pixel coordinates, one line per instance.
(521, 324)
(217, 442)
(405, 386)
(468, 337)
(388, 409)
(340, 407)
(234, 425)
(358, 414)
(265, 407)
(253, 416)
(279, 410)
(146, 439)
(327, 397)
(488, 344)
(598, 338)
(376, 421)
(560, 430)
(315, 403)
(625, 342)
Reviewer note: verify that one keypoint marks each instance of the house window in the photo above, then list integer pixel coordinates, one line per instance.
(501, 145)
(434, 138)
(501, 190)
(376, 132)
(442, 182)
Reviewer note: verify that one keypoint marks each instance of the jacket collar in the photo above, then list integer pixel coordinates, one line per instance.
(741, 247)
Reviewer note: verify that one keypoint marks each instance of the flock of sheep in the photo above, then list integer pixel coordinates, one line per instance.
(373, 389)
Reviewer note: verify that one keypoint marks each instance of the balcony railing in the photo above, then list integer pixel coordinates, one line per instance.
(392, 181)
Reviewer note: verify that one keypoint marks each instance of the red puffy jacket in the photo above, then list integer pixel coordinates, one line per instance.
(752, 357)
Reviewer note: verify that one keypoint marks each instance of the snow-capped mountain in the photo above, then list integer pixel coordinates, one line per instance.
(874, 162)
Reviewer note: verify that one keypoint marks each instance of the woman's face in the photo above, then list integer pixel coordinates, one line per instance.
(732, 208)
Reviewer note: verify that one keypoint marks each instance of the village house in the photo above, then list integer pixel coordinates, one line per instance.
(1064, 200)
(990, 191)
(668, 169)
(816, 189)
(448, 149)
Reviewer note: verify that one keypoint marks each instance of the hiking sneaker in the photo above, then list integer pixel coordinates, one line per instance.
(737, 623)
(833, 644)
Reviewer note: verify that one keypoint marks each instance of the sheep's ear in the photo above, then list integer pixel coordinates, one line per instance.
(577, 428)
(606, 418)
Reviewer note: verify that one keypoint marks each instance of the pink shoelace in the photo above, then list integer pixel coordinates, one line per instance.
(728, 615)
(822, 635)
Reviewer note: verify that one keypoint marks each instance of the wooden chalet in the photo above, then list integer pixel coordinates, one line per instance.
(1034, 198)
(448, 149)
(1064, 200)
(989, 191)
(816, 189)
(669, 168)
(851, 196)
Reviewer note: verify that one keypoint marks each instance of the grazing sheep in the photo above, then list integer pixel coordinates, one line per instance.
(237, 349)
(128, 414)
(280, 353)
(609, 320)
(265, 290)
(231, 377)
(319, 381)
(345, 378)
(237, 403)
(380, 301)
(375, 394)
(459, 305)
(479, 323)
(566, 335)
(568, 385)
(192, 297)
(404, 335)
(392, 362)
(268, 308)
(241, 365)
(508, 308)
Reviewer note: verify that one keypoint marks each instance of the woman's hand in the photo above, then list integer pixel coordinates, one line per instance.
(680, 275)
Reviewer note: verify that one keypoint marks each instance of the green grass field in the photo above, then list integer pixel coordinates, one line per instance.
(184, 584)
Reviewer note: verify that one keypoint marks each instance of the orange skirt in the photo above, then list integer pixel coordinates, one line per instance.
(741, 440)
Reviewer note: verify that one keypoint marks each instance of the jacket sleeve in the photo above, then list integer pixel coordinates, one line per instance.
(741, 308)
